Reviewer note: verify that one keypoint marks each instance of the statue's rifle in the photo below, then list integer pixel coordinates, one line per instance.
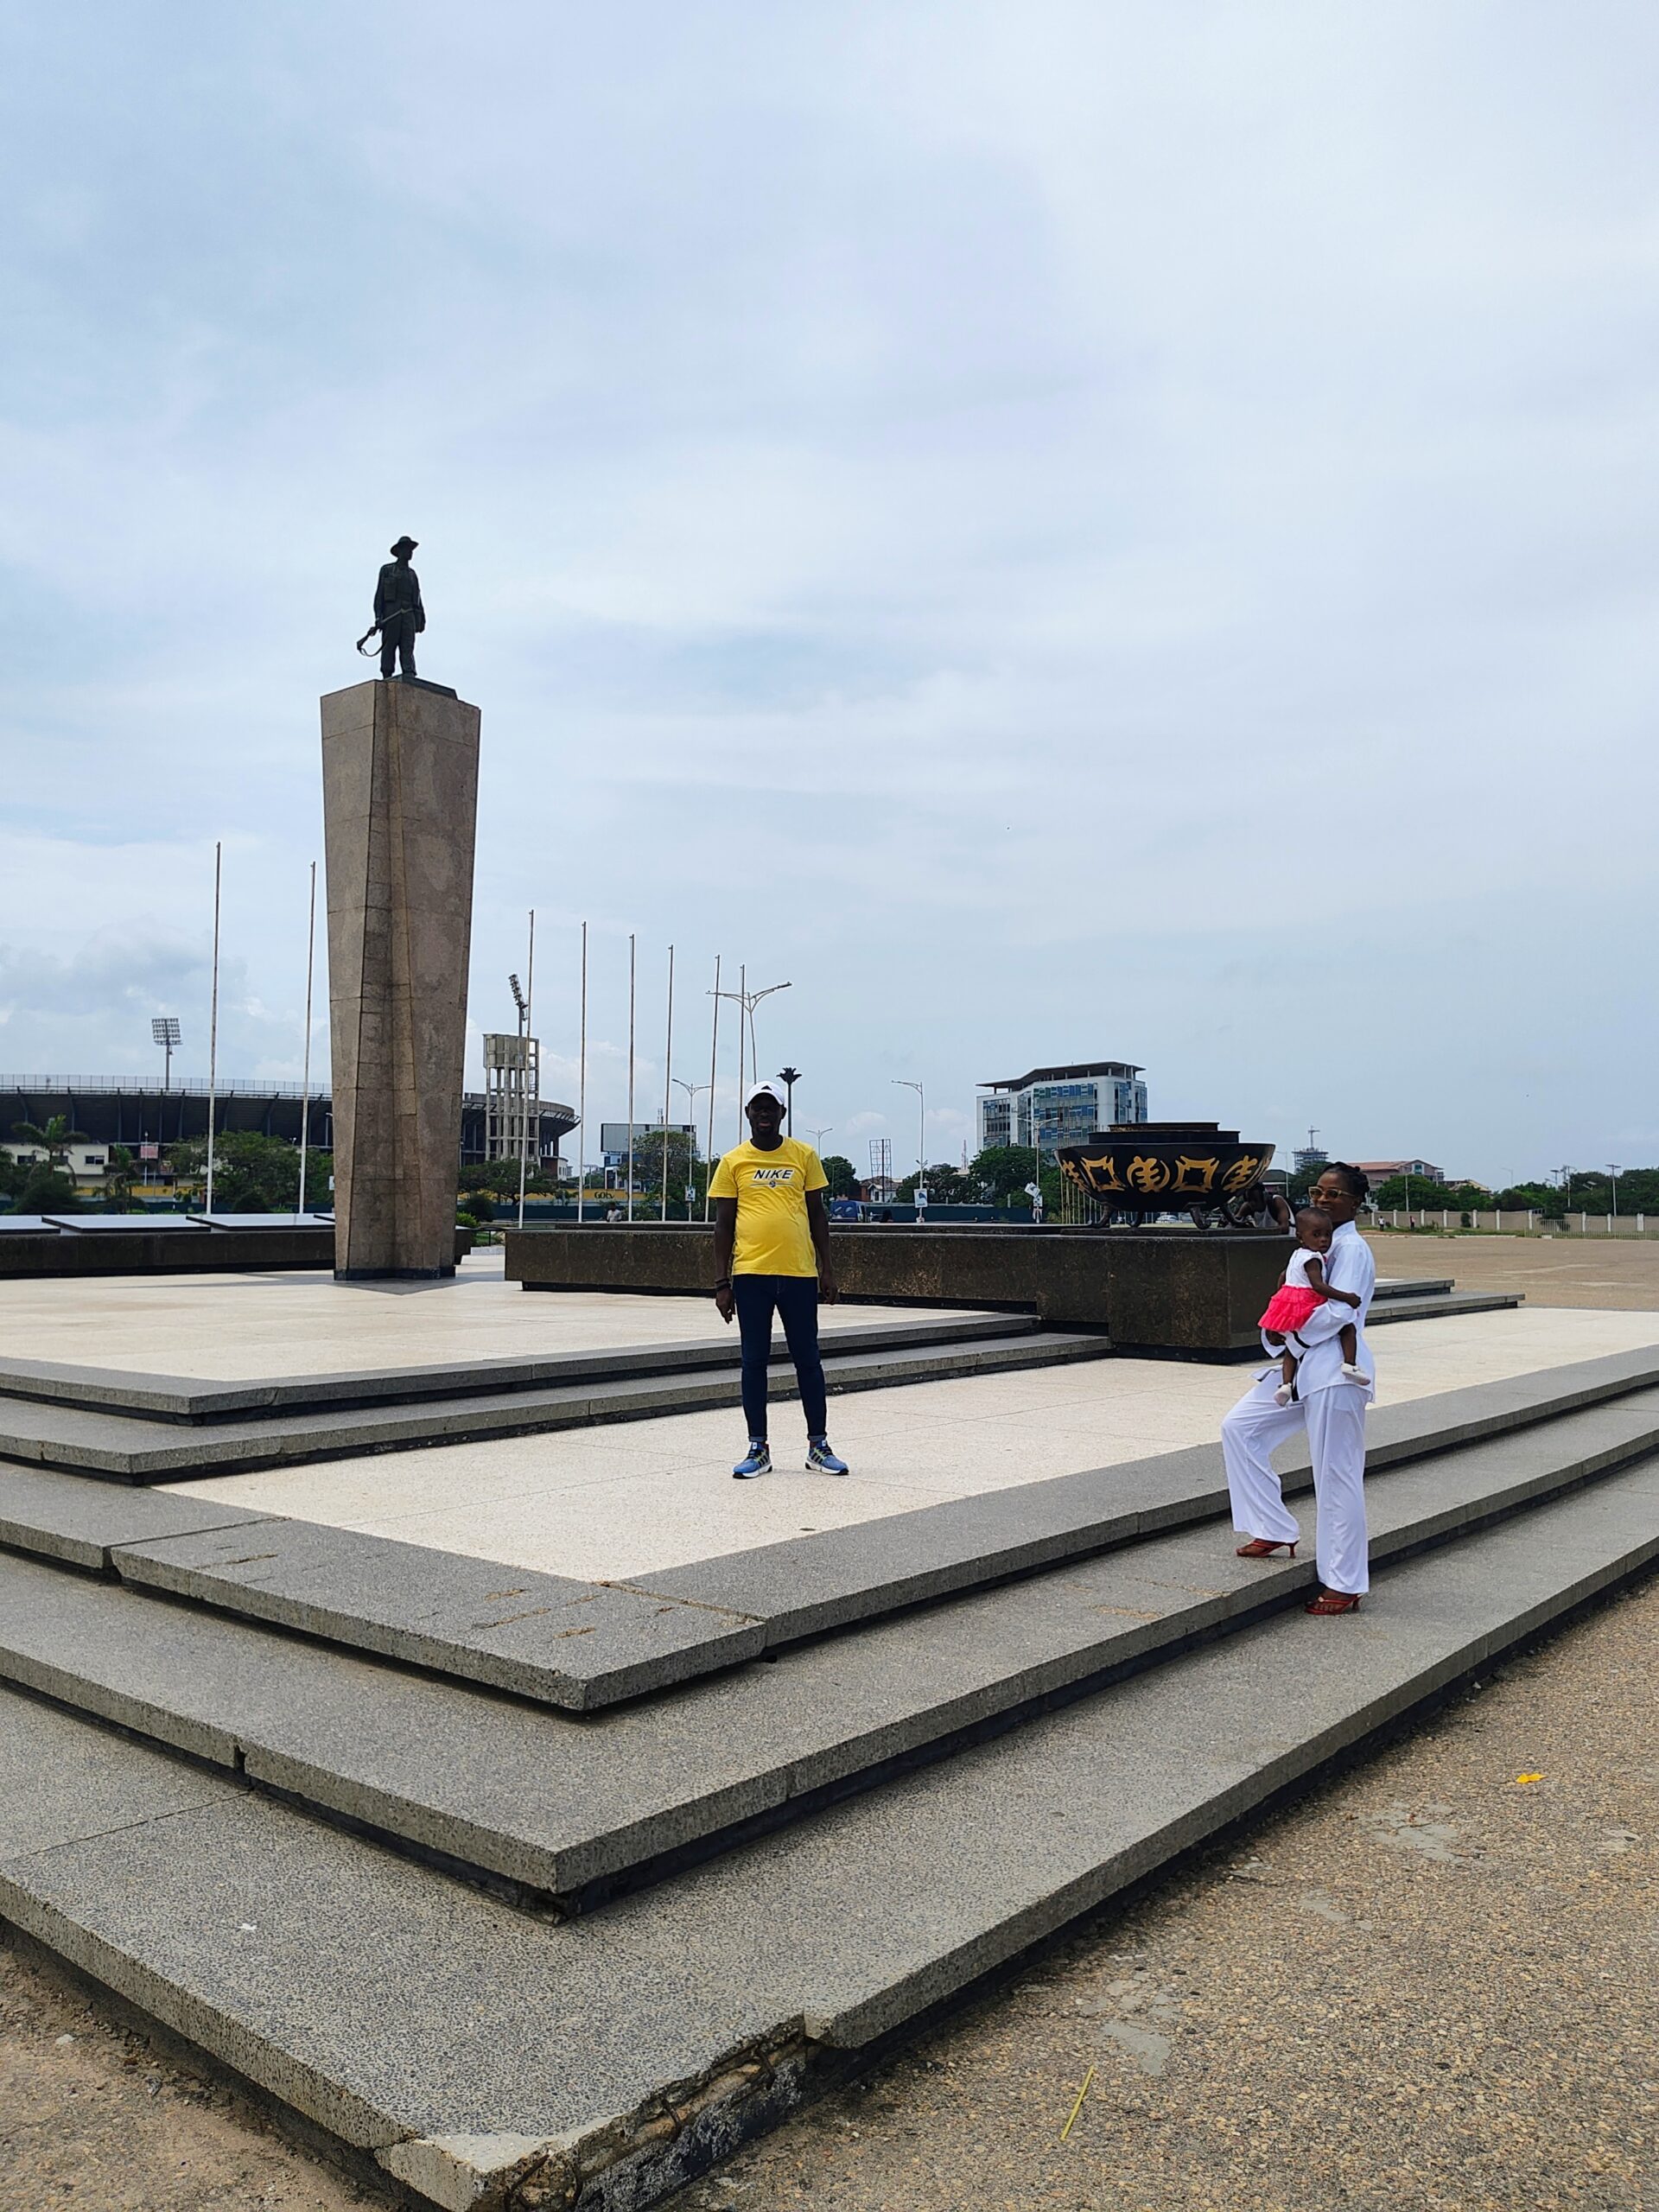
(373, 631)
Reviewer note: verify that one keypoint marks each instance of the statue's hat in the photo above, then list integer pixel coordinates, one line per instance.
(405, 545)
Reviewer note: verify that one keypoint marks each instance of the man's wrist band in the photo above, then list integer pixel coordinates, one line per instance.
(725, 1283)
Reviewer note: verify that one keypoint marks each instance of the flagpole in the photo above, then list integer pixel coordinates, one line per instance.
(212, 1032)
(668, 1077)
(305, 1078)
(631, 1002)
(530, 1047)
(742, 1001)
(582, 1084)
(714, 1056)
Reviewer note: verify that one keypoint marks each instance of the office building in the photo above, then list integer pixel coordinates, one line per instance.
(1050, 1107)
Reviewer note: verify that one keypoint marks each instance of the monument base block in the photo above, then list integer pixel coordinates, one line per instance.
(400, 803)
(1180, 1292)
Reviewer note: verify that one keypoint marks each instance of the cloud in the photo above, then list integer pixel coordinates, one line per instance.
(1069, 533)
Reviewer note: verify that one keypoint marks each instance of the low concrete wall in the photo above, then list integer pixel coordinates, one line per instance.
(1164, 1290)
(173, 1251)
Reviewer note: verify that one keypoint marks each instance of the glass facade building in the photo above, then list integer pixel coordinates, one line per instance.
(1049, 1107)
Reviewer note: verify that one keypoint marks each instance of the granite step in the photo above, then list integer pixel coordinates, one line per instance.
(583, 1645)
(1442, 1306)
(486, 2058)
(195, 1398)
(139, 1448)
(568, 1808)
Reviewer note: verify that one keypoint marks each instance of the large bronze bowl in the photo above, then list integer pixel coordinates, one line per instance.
(1153, 1167)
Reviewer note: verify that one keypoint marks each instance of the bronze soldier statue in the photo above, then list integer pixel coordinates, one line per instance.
(398, 615)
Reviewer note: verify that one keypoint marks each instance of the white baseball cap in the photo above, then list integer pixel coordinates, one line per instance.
(762, 1091)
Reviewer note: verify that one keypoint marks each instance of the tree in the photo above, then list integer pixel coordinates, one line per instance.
(843, 1179)
(1002, 1171)
(945, 1185)
(1420, 1196)
(54, 1140)
(45, 1189)
(118, 1178)
(684, 1165)
(254, 1174)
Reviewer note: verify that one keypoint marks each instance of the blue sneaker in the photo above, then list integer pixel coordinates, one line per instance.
(821, 1460)
(756, 1461)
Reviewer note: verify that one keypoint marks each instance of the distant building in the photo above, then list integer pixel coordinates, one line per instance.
(1049, 1107)
(1384, 1171)
(1307, 1157)
(129, 1111)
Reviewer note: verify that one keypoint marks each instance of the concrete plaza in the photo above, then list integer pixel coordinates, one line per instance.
(1156, 2002)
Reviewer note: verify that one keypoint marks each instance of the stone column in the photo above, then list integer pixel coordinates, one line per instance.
(400, 806)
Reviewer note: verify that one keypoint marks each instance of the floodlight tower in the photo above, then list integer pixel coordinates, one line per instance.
(164, 1028)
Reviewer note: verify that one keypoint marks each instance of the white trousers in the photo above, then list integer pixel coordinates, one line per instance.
(1335, 1422)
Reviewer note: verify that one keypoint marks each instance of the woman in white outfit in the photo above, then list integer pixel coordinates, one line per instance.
(1329, 1406)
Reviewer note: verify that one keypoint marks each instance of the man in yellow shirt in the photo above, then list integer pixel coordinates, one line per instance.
(771, 1253)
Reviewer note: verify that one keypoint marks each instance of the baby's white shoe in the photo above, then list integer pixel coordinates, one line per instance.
(1351, 1373)
(1284, 1394)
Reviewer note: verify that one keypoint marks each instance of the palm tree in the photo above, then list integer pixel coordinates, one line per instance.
(54, 1140)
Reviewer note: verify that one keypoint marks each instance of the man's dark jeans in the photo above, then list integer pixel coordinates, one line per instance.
(796, 1299)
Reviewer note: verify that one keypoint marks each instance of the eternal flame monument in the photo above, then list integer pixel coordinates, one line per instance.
(400, 808)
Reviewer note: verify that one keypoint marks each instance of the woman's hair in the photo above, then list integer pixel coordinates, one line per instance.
(1358, 1183)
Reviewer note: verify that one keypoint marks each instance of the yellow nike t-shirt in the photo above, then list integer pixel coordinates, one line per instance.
(774, 1235)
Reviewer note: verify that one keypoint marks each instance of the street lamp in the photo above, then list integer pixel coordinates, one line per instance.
(748, 1000)
(691, 1091)
(789, 1077)
(164, 1028)
(904, 1083)
(1614, 1173)
(819, 1136)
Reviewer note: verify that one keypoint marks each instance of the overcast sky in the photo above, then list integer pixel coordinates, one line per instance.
(1065, 530)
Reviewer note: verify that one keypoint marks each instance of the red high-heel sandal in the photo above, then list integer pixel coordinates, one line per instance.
(1259, 1547)
(1333, 1601)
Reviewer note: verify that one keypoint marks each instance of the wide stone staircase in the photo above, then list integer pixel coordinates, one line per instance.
(525, 1891)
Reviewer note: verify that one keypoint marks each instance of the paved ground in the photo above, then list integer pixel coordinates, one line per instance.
(1570, 1270)
(1426, 1984)
(639, 1496)
(227, 1328)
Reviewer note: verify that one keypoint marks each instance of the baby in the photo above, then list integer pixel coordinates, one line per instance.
(1302, 1290)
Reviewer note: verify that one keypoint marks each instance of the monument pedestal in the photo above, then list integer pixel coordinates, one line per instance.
(1175, 1292)
(400, 808)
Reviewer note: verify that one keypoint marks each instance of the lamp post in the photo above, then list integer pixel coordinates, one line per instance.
(905, 1083)
(1613, 1171)
(748, 1000)
(789, 1077)
(693, 1091)
(819, 1136)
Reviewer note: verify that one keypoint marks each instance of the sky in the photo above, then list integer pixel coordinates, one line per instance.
(1063, 531)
